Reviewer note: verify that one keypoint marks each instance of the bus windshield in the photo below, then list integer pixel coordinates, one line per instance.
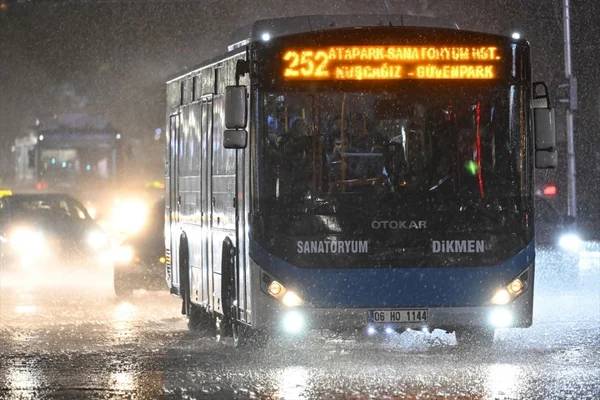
(72, 166)
(396, 169)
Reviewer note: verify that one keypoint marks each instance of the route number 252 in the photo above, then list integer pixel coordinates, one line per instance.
(306, 64)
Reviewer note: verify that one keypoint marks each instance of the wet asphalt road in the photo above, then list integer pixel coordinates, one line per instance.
(73, 339)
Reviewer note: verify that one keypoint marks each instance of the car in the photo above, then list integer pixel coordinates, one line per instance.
(49, 228)
(568, 250)
(139, 261)
(585, 245)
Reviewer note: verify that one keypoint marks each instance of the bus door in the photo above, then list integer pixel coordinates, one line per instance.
(205, 201)
(173, 200)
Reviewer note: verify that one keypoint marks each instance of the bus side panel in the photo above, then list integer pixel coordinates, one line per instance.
(242, 199)
(207, 204)
(241, 267)
(173, 243)
(190, 196)
(167, 216)
(223, 193)
(184, 189)
(252, 271)
(205, 200)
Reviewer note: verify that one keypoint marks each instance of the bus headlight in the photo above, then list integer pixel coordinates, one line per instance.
(501, 297)
(293, 322)
(511, 291)
(276, 289)
(515, 287)
(501, 318)
(291, 299)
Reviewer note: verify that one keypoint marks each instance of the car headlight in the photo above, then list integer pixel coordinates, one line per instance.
(570, 242)
(26, 239)
(97, 240)
(129, 216)
(123, 254)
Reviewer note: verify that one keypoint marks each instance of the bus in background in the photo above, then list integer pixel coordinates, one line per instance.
(74, 153)
(356, 172)
(85, 156)
(71, 151)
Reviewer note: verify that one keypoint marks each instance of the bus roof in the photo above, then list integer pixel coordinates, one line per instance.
(285, 26)
(277, 27)
(313, 23)
(17, 197)
(64, 138)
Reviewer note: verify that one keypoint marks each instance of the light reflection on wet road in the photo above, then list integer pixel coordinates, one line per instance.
(77, 341)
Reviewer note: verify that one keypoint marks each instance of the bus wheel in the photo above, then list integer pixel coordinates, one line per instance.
(244, 336)
(199, 320)
(240, 334)
(121, 286)
(475, 337)
(224, 322)
(222, 328)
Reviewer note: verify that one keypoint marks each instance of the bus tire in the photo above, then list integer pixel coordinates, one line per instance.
(198, 319)
(225, 322)
(474, 337)
(184, 282)
(246, 336)
(239, 334)
(123, 289)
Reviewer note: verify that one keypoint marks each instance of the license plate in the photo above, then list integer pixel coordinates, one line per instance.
(397, 316)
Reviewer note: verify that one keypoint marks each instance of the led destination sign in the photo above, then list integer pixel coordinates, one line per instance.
(391, 62)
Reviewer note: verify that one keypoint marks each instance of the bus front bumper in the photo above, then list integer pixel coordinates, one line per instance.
(298, 320)
(271, 314)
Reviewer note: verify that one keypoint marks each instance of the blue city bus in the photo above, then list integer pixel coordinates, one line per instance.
(356, 172)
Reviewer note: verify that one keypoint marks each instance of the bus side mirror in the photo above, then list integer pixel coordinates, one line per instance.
(546, 155)
(235, 139)
(236, 106)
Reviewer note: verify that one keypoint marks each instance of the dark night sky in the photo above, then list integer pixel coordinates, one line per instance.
(113, 57)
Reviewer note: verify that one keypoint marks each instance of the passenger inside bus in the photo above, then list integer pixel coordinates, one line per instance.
(324, 144)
